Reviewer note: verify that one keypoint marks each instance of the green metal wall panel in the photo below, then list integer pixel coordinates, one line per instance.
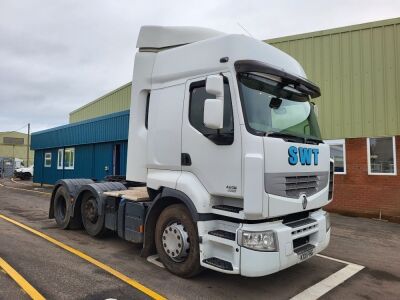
(358, 70)
(115, 101)
(15, 151)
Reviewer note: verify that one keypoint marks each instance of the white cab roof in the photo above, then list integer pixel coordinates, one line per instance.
(203, 57)
(157, 37)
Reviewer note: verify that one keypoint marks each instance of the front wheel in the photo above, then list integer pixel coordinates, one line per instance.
(26, 176)
(177, 241)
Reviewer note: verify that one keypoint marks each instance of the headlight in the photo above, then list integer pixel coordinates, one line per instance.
(328, 221)
(260, 241)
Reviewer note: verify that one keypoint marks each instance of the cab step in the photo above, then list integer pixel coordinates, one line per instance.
(304, 248)
(229, 208)
(223, 234)
(218, 263)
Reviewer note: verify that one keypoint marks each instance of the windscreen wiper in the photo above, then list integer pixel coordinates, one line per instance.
(285, 136)
(293, 138)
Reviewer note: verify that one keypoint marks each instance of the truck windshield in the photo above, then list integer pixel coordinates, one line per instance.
(274, 108)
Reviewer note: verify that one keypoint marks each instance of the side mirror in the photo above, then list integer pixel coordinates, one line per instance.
(215, 86)
(214, 108)
(214, 113)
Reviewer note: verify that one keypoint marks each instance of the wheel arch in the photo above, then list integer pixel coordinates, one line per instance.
(165, 198)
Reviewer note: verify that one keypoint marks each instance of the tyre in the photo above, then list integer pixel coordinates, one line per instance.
(177, 241)
(61, 207)
(92, 221)
(26, 176)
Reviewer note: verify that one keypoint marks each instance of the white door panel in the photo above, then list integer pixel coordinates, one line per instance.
(218, 167)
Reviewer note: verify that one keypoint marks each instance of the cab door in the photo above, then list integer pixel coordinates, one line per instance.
(213, 156)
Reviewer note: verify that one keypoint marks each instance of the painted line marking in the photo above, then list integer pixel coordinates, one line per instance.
(335, 259)
(324, 286)
(19, 182)
(92, 260)
(25, 285)
(21, 189)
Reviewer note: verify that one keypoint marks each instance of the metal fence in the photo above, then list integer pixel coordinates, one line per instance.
(7, 167)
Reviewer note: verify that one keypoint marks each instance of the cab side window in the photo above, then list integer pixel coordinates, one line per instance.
(198, 95)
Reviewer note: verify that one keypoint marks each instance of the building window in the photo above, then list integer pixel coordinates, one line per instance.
(60, 159)
(381, 156)
(47, 159)
(338, 154)
(69, 158)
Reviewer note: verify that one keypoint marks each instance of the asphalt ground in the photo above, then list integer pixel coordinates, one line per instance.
(59, 274)
(10, 289)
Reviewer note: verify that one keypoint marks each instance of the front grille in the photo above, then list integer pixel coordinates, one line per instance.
(300, 223)
(304, 229)
(293, 185)
(297, 185)
(295, 217)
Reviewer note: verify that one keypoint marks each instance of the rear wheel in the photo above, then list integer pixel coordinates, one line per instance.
(61, 207)
(92, 221)
(177, 241)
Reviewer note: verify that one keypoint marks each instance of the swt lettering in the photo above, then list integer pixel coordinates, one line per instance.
(304, 155)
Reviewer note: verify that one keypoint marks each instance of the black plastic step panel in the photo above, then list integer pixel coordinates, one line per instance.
(219, 263)
(301, 242)
(229, 208)
(223, 234)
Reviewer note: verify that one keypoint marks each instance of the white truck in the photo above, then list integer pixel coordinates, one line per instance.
(225, 142)
(23, 173)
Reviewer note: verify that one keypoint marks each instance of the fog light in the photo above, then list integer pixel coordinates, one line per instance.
(328, 221)
(260, 241)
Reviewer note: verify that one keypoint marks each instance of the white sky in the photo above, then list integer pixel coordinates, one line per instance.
(56, 56)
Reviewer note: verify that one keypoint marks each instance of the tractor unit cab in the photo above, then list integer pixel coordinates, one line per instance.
(224, 135)
(230, 112)
(227, 121)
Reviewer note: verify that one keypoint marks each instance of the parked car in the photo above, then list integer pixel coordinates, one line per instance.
(24, 173)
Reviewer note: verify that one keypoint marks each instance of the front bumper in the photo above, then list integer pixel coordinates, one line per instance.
(22, 175)
(296, 242)
(292, 240)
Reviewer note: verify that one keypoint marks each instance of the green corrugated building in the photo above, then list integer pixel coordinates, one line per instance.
(115, 101)
(358, 70)
(13, 144)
